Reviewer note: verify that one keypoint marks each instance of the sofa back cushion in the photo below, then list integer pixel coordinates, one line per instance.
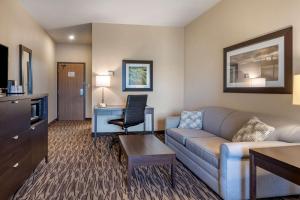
(293, 135)
(213, 118)
(285, 130)
(233, 123)
(225, 122)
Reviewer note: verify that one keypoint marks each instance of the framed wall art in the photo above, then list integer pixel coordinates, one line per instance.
(137, 75)
(260, 65)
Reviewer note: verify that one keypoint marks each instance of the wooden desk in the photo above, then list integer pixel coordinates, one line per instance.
(117, 110)
(282, 161)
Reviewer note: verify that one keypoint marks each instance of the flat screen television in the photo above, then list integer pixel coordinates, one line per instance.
(3, 66)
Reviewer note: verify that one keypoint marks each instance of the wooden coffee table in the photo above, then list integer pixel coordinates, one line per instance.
(283, 161)
(146, 150)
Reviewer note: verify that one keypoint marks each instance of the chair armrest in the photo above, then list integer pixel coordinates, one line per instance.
(172, 122)
(240, 150)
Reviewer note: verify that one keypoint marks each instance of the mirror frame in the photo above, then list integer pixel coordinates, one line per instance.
(22, 49)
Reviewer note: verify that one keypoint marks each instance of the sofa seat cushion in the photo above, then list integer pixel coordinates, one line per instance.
(180, 135)
(207, 148)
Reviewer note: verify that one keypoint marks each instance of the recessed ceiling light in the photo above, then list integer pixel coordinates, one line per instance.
(71, 37)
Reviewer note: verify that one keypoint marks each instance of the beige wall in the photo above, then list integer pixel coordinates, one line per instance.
(229, 23)
(163, 45)
(79, 53)
(17, 27)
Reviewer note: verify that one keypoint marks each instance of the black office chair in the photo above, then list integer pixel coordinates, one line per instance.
(134, 114)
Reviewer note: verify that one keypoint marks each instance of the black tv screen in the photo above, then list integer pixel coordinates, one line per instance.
(3, 66)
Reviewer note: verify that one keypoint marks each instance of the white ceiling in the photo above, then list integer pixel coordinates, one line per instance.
(56, 14)
(82, 33)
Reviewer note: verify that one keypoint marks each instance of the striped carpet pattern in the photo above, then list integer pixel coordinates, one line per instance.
(78, 170)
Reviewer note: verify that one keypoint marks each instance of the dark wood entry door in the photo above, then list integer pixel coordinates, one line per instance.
(71, 95)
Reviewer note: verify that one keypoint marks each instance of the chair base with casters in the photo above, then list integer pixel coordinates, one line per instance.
(117, 122)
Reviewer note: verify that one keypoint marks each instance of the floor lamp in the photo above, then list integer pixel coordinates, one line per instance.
(102, 81)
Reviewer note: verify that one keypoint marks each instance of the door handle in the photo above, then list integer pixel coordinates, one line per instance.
(81, 92)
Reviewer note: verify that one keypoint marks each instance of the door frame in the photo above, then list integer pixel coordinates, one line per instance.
(84, 89)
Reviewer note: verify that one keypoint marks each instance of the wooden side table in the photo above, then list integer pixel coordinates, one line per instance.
(283, 161)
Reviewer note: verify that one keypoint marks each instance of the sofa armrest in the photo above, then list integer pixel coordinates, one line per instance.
(234, 169)
(172, 122)
(240, 150)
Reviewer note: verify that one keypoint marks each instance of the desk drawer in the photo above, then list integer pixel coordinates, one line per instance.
(103, 112)
(13, 178)
(115, 112)
(15, 117)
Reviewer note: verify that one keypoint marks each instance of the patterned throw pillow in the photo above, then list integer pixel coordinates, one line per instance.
(191, 120)
(253, 131)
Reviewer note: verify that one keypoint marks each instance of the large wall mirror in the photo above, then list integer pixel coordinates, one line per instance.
(25, 69)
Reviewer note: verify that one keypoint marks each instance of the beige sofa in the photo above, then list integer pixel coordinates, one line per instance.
(224, 165)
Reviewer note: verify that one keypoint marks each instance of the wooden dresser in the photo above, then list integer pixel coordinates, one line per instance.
(23, 139)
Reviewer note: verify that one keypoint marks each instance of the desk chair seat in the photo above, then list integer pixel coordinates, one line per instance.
(118, 122)
(134, 114)
(121, 123)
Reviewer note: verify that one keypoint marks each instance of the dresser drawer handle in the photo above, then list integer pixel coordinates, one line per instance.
(32, 128)
(16, 137)
(15, 102)
(16, 165)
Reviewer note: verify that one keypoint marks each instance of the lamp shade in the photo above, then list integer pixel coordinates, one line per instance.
(296, 90)
(103, 81)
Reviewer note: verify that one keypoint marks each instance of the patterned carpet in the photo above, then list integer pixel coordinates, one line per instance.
(79, 170)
